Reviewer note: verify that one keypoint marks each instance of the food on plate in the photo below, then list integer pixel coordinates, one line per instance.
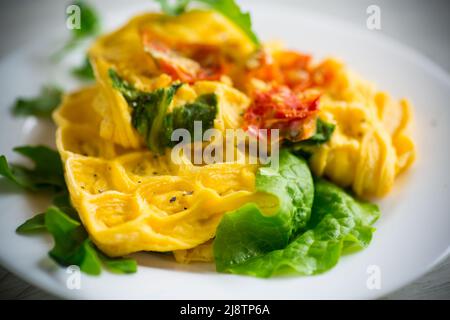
(339, 142)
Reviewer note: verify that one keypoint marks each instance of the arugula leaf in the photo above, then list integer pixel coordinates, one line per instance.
(247, 233)
(89, 26)
(35, 224)
(150, 116)
(62, 201)
(175, 8)
(339, 224)
(40, 106)
(72, 246)
(118, 265)
(227, 8)
(84, 71)
(47, 172)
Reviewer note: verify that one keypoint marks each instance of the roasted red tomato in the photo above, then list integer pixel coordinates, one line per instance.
(186, 62)
(288, 68)
(295, 68)
(281, 108)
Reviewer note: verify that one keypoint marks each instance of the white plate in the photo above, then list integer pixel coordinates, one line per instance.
(413, 232)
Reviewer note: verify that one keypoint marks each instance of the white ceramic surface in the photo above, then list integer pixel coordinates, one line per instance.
(413, 232)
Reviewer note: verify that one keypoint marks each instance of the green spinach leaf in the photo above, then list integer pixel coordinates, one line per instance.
(153, 121)
(35, 224)
(118, 265)
(84, 71)
(40, 106)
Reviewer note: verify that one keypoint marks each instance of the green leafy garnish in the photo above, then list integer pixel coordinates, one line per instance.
(118, 265)
(62, 201)
(150, 114)
(323, 133)
(84, 71)
(129, 92)
(247, 233)
(175, 8)
(35, 224)
(339, 224)
(305, 148)
(227, 8)
(47, 172)
(89, 26)
(72, 246)
(203, 109)
(40, 106)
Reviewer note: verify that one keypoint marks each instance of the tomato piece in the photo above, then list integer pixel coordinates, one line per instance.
(296, 69)
(281, 108)
(289, 68)
(186, 62)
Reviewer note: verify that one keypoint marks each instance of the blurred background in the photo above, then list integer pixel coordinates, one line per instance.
(423, 25)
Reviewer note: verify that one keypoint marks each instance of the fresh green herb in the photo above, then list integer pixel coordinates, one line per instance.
(228, 8)
(129, 92)
(175, 8)
(84, 71)
(47, 172)
(89, 26)
(118, 265)
(339, 224)
(323, 134)
(150, 114)
(35, 224)
(203, 109)
(247, 233)
(40, 106)
(62, 201)
(72, 246)
(148, 117)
